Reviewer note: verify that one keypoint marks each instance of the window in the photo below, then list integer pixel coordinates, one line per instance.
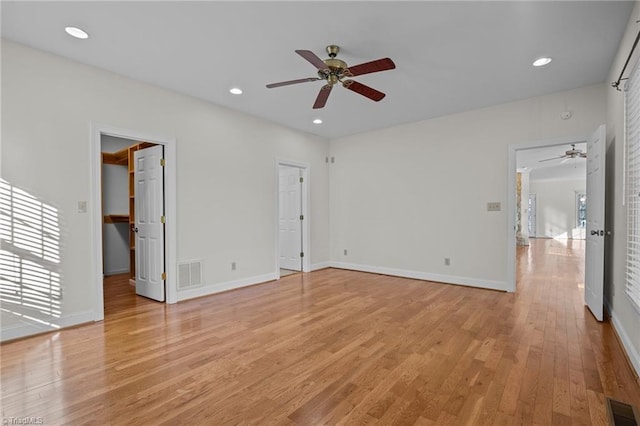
(531, 215)
(632, 118)
(581, 210)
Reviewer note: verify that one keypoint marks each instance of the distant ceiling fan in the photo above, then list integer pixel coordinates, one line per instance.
(572, 153)
(334, 71)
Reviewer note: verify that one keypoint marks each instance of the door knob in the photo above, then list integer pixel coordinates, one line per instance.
(594, 232)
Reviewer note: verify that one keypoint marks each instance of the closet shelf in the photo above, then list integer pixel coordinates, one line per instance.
(116, 218)
(120, 158)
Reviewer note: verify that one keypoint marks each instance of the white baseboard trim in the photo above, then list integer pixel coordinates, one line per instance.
(229, 285)
(32, 327)
(632, 352)
(320, 265)
(419, 275)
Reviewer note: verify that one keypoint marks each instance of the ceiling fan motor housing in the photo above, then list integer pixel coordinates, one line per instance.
(336, 70)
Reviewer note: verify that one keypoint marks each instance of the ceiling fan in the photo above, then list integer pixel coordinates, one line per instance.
(334, 71)
(572, 153)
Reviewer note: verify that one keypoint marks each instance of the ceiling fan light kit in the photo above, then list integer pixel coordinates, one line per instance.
(334, 71)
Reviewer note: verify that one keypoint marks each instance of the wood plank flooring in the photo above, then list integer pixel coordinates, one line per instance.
(333, 347)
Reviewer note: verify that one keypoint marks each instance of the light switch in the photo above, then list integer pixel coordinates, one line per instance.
(493, 206)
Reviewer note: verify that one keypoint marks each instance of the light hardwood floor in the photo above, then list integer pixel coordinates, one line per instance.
(334, 347)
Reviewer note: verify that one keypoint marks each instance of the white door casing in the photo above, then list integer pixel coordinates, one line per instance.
(594, 253)
(149, 210)
(289, 213)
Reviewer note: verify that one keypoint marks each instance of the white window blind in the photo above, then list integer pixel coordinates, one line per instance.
(632, 154)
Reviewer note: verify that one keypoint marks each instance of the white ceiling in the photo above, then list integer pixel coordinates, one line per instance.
(450, 56)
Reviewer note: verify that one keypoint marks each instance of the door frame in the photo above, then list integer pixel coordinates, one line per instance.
(511, 196)
(306, 223)
(95, 165)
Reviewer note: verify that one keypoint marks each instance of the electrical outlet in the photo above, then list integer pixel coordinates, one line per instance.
(233, 266)
(345, 252)
(447, 261)
(82, 206)
(494, 206)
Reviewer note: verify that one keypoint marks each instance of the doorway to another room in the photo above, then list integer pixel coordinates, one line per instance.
(562, 174)
(292, 230)
(133, 215)
(133, 211)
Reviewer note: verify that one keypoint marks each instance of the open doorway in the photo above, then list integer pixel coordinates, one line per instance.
(592, 160)
(116, 244)
(149, 164)
(536, 166)
(292, 242)
(132, 208)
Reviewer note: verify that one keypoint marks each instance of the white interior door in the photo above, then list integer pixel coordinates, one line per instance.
(149, 210)
(290, 211)
(594, 256)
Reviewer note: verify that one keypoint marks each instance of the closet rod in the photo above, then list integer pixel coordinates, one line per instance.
(616, 83)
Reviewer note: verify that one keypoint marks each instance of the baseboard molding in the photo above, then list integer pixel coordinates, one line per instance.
(627, 346)
(419, 275)
(226, 286)
(32, 328)
(320, 265)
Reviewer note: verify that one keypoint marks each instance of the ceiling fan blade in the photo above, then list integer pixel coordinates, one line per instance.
(323, 95)
(549, 159)
(364, 90)
(286, 83)
(311, 57)
(369, 67)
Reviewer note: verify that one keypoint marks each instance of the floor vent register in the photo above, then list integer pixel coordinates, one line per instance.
(622, 414)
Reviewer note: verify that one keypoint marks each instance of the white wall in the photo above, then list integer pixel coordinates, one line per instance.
(226, 194)
(115, 200)
(404, 198)
(624, 316)
(556, 207)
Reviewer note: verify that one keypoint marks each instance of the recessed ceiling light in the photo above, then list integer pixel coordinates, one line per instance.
(541, 62)
(236, 91)
(317, 121)
(76, 32)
